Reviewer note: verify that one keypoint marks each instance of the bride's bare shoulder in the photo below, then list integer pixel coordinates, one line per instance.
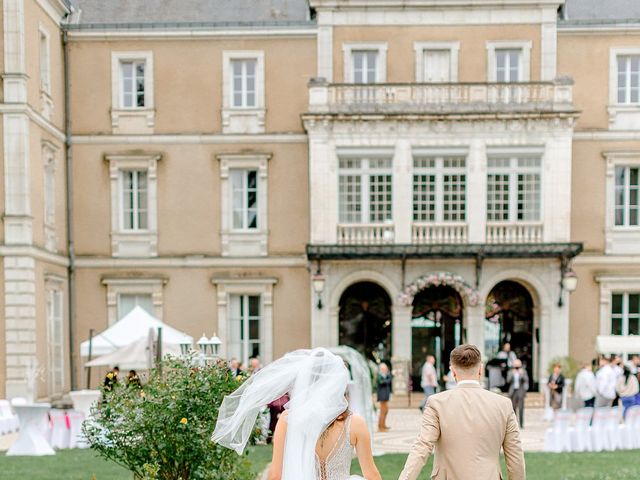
(357, 423)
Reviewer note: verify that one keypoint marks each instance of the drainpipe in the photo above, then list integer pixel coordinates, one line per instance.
(70, 219)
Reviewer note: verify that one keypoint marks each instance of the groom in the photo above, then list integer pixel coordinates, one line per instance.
(467, 426)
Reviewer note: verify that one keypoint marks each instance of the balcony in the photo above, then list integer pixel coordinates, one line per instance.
(365, 234)
(439, 233)
(514, 232)
(441, 98)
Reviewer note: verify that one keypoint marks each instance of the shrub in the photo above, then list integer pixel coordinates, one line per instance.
(164, 431)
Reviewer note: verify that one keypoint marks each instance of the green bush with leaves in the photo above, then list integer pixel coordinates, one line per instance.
(163, 432)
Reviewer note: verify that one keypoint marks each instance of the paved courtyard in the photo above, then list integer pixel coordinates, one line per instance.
(405, 423)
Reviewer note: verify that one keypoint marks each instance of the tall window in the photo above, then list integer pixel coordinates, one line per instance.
(437, 66)
(132, 86)
(128, 301)
(55, 341)
(134, 200)
(625, 314)
(627, 190)
(49, 189)
(628, 78)
(365, 68)
(244, 185)
(45, 62)
(439, 189)
(365, 190)
(246, 319)
(508, 65)
(244, 82)
(513, 189)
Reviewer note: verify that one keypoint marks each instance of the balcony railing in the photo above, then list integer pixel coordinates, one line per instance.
(439, 233)
(439, 98)
(514, 233)
(365, 234)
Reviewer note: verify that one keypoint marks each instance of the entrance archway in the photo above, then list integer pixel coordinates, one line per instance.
(365, 320)
(436, 328)
(510, 319)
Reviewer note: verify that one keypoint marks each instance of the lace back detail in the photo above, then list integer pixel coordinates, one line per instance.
(337, 465)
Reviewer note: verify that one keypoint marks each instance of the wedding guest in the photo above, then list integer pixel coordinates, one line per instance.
(449, 380)
(556, 386)
(507, 357)
(383, 394)
(585, 388)
(627, 389)
(275, 410)
(254, 365)
(518, 386)
(234, 367)
(133, 380)
(605, 384)
(111, 379)
(429, 379)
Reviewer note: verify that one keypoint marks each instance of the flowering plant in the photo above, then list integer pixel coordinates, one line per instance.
(163, 432)
(435, 279)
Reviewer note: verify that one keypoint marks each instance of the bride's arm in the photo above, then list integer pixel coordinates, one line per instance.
(363, 448)
(275, 471)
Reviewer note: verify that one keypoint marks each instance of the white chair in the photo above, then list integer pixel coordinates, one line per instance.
(18, 401)
(59, 429)
(605, 431)
(76, 439)
(558, 437)
(548, 411)
(581, 433)
(8, 420)
(630, 430)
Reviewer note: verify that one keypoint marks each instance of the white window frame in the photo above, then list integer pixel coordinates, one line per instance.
(439, 172)
(244, 242)
(133, 243)
(622, 116)
(44, 59)
(49, 194)
(524, 70)
(381, 59)
(365, 174)
(619, 239)
(136, 208)
(610, 284)
(127, 286)
(244, 173)
(625, 310)
(513, 170)
(243, 119)
(54, 292)
(421, 48)
(246, 286)
(132, 119)
(245, 342)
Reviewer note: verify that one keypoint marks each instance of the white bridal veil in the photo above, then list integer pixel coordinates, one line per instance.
(316, 381)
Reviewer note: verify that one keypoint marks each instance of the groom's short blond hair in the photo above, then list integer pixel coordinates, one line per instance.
(465, 357)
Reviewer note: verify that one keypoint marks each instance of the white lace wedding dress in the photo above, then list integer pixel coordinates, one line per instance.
(337, 464)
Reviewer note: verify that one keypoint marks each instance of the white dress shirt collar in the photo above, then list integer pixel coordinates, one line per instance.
(471, 382)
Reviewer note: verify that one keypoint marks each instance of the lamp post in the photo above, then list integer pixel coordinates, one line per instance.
(568, 282)
(318, 287)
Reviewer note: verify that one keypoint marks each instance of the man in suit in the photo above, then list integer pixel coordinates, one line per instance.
(518, 381)
(467, 426)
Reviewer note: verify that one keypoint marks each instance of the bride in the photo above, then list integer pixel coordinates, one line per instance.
(315, 437)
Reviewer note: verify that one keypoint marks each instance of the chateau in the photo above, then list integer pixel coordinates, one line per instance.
(400, 176)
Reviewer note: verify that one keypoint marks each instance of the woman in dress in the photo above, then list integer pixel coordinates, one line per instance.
(383, 391)
(315, 437)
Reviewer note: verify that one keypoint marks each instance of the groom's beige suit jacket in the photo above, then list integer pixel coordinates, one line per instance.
(467, 426)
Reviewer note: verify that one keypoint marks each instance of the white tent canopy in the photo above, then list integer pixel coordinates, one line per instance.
(617, 344)
(132, 327)
(135, 356)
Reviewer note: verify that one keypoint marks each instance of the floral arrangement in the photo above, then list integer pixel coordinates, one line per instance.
(435, 279)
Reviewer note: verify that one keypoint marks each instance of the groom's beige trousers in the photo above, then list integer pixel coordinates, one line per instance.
(467, 426)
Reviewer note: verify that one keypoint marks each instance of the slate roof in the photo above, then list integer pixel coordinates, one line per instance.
(114, 13)
(601, 12)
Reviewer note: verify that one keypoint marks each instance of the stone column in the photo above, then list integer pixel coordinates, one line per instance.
(476, 192)
(475, 325)
(401, 358)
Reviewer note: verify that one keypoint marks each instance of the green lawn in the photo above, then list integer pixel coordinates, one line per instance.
(85, 465)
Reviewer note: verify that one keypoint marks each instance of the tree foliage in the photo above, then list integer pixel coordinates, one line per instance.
(163, 431)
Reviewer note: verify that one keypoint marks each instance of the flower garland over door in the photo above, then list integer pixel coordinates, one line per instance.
(437, 279)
